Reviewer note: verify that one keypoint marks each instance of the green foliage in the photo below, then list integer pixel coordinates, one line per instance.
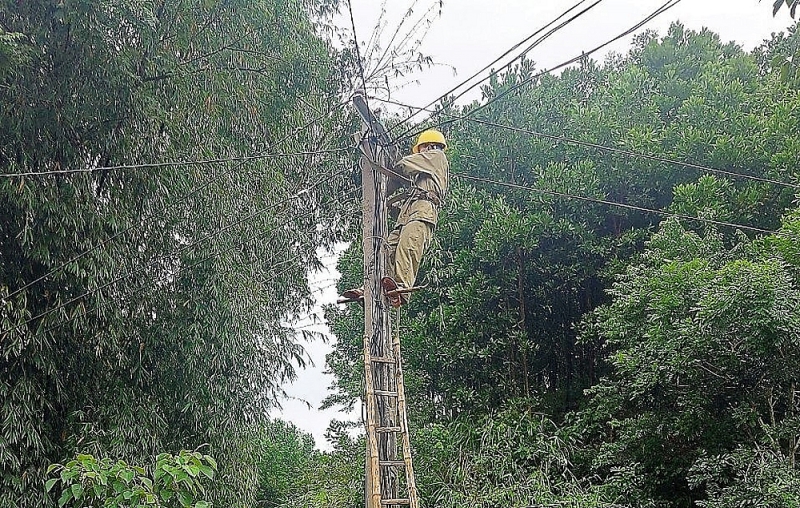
(176, 480)
(332, 479)
(285, 453)
(703, 341)
(145, 308)
(690, 355)
(790, 4)
(512, 458)
(746, 477)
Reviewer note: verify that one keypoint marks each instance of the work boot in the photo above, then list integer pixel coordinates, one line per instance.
(394, 292)
(352, 295)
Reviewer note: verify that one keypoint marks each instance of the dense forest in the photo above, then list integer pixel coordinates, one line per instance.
(612, 315)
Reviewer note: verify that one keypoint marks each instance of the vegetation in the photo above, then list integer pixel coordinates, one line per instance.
(176, 481)
(577, 353)
(145, 292)
(611, 330)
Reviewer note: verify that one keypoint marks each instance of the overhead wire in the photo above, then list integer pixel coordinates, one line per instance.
(511, 49)
(611, 203)
(660, 10)
(179, 251)
(358, 51)
(183, 163)
(170, 205)
(612, 149)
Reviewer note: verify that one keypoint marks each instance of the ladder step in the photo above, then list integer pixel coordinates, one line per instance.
(388, 429)
(395, 463)
(383, 359)
(385, 393)
(386, 502)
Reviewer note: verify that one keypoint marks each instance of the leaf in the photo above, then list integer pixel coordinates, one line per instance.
(48, 486)
(77, 491)
(184, 498)
(207, 471)
(211, 461)
(66, 495)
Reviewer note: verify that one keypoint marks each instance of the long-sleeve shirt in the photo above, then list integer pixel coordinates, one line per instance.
(428, 172)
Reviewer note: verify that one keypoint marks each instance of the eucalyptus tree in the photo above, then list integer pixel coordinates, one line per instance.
(168, 172)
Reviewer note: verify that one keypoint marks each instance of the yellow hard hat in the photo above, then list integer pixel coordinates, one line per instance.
(429, 136)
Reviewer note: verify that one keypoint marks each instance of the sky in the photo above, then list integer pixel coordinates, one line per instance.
(464, 38)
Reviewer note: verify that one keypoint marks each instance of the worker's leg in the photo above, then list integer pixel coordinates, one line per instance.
(391, 249)
(414, 238)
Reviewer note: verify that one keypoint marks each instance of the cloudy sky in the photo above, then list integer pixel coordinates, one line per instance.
(467, 36)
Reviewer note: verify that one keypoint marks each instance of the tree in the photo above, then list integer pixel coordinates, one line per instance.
(515, 270)
(157, 227)
(702, 339)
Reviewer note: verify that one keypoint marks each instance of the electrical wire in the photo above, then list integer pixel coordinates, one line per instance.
(246, 158)
(358, 51)
(181, 250)
(170, 205)
(610, 203)
(662, 9)
(515, 46)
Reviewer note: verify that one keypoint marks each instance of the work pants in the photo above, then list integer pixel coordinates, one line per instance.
(405, 246)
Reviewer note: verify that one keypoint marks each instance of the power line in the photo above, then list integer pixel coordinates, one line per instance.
(610, 203)
(517, 45)
(245, 158)
(171, 253)
(358, 51)
(178, 272)
(663, 8)
(606, 148)
(161, 210)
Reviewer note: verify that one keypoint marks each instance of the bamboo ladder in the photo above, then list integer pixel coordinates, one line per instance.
(386, 418)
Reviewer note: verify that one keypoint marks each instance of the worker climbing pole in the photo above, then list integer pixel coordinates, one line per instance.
(391, 261)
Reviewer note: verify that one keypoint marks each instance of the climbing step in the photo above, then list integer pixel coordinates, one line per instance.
(383, 359)
(392, 463)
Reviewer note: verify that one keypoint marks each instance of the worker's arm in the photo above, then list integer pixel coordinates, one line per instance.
(429, 163)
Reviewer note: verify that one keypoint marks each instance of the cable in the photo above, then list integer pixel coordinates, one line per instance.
(611, 203)
(630, 153)
(246, 158)
(159, 211)
(536, 43)
(172, 253)
(664, 7)
(358, 51)
(179, 270)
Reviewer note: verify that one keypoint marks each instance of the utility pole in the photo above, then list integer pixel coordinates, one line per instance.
(387, 424)
(377, 327)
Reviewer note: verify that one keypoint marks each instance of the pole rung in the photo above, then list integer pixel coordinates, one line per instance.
(385, 393)
(382, 359)
(388, 429)
(390, 463)
(389, 502)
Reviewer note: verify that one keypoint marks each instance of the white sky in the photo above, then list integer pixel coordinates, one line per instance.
(470, 34)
